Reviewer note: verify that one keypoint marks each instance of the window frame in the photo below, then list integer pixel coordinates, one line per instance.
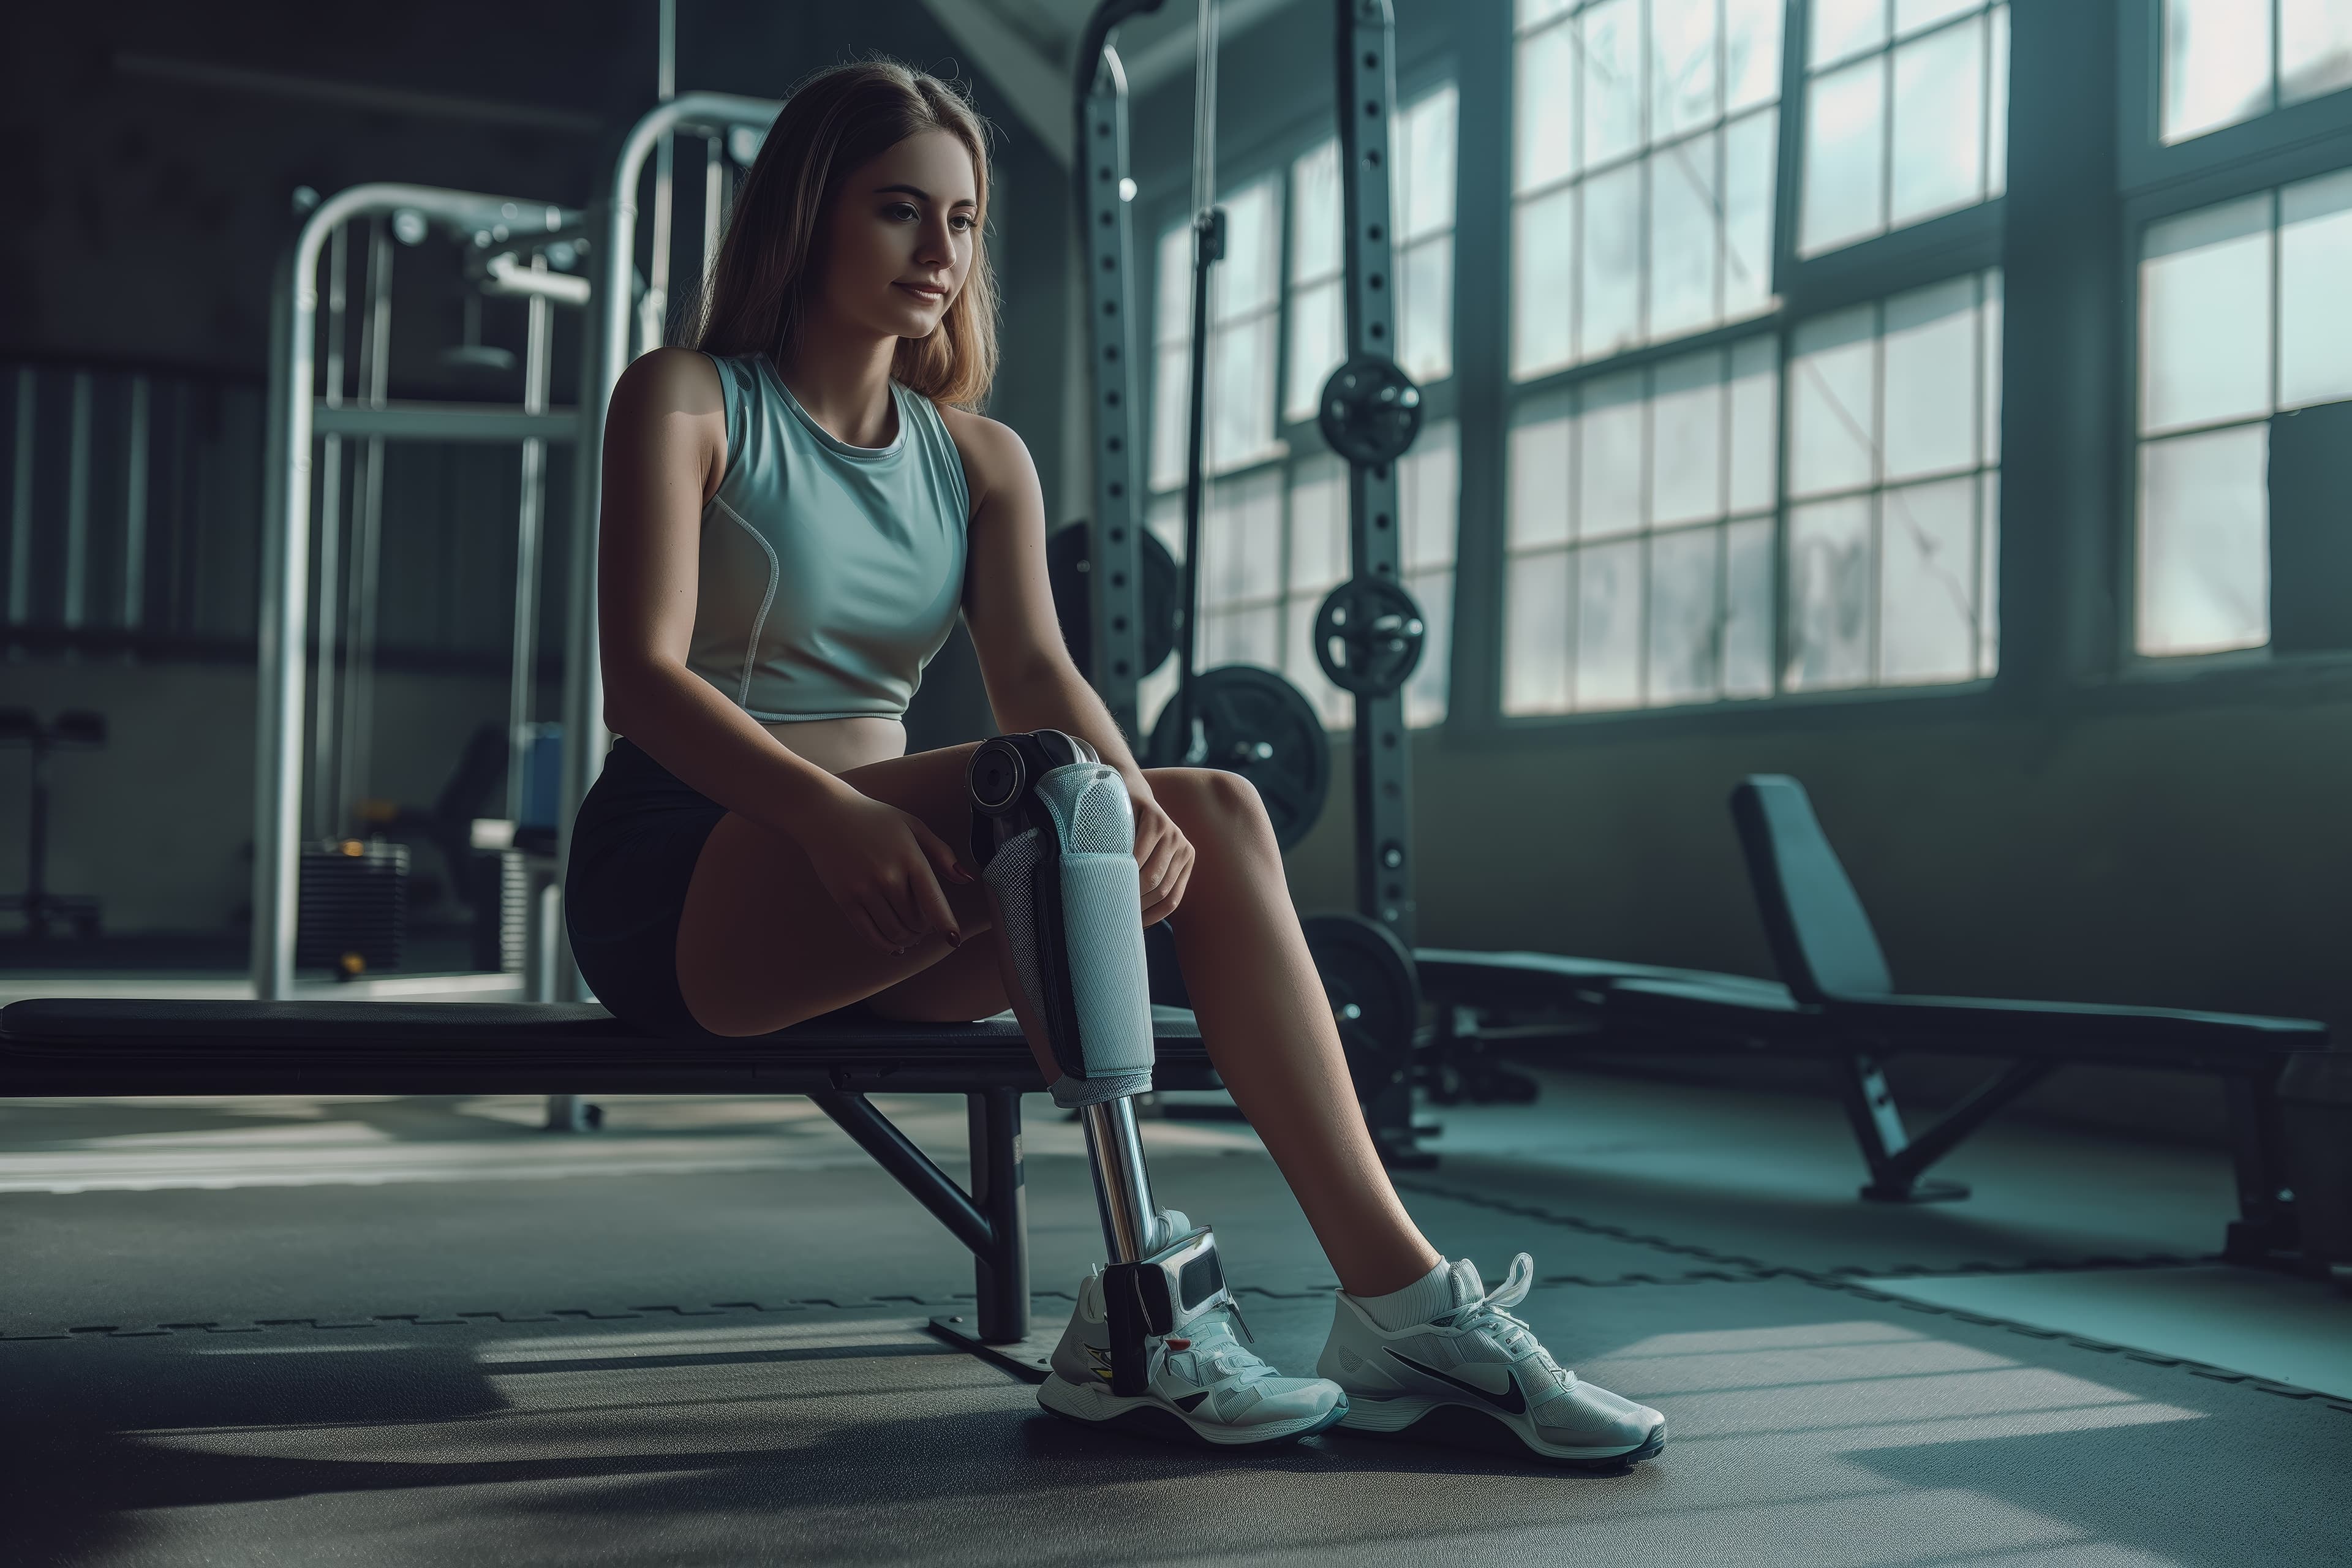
(2297, 141)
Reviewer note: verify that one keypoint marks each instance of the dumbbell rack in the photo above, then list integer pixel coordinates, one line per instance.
(74, 730)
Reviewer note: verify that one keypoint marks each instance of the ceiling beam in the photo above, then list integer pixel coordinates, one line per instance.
(1031, 79)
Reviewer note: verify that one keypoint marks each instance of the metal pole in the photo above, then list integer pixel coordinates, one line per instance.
(77, 504)
(367, 549)
(134, 516)
(1208, 249)
(528, 523)
(326, 785)
(1122, 1186)
(606, 355)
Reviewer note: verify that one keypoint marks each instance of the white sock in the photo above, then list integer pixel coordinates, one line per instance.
(1424, 1299)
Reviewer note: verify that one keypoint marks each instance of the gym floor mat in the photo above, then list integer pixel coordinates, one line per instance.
(1809, 1426)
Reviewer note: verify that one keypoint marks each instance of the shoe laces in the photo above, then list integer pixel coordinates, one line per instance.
(1213, 1342)
(1491, 1313)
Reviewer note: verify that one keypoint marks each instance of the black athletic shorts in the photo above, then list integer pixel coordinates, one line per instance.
(633, 852)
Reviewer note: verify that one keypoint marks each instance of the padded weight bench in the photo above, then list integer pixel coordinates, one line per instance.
(1837, 1001)
(50, 1046)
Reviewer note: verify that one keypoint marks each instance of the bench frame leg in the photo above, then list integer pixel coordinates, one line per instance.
(1897, 1160)
(992, 1220)
(2267, 1230)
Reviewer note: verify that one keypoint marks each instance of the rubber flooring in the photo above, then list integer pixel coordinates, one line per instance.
(440, 1337)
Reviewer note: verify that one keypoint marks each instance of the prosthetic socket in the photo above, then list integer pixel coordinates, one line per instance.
(1053, 833)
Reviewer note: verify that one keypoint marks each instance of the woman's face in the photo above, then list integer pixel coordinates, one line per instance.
(900, 237)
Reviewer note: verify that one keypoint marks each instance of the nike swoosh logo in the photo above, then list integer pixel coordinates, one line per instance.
(1514, 1403)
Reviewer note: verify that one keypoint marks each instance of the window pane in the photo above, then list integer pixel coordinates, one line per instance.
(1244, 280)
(1425, 693)
(1241, 392)
(1748, 153)
(1539, 485)
(1990, 416)
(1427, 160)
(2217, 65)
(1748, 609)
(1318, 526)
(1997, 108)
(1171, 405)
(1939, 111)
(1175, 286)
(1612, 305)
(1841, 28)
(1686, 440)
(2315, 49)
(1314, 213)
(1543, 282)
(2205, 316)
(1832, 405)
(1426, 311)
(1755, 424)
(1546, 106)
(1612, 80)
(1751, 52)
(1240, 636)
(2204, 542)
(1318, 327)
(1989, 575)
(1608, 625)
(1531, 11)
(1681, 65)
(1910, 16)
(1535, 635)
(1427, 483)
(1684, 251)
(1931, 382)
(1844, 156)
(1240, 541)
(2315, 290)
(1683, 619)
(1927, 591)
(1609, 459)
(1829, 582)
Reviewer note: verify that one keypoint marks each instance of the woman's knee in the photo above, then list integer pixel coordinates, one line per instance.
(1212, 803)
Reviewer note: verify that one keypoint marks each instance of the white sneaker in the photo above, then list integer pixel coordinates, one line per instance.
(1475, 1371)
(1203, 1384)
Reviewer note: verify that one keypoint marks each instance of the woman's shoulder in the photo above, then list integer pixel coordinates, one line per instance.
(993, 454)
(671, 381)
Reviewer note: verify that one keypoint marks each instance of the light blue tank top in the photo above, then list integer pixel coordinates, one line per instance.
(830, 573)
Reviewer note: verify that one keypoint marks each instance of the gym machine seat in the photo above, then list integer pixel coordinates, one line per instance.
(89, 1048)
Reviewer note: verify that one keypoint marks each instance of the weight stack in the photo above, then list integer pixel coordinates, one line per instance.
(353, 909)
(514, 909)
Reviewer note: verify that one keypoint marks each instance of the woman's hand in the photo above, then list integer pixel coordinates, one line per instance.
(883, 867)
(1163, 857)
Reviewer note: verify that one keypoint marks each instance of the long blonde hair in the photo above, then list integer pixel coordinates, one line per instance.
(756, 297)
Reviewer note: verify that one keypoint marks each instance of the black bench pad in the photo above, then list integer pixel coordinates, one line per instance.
(59, 1046)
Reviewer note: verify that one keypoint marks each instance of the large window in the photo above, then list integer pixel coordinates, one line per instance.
(1907, 112)
(1809, 507)
(1641, 173)
(2245, 310)
(1274, 523)
(2225, 61)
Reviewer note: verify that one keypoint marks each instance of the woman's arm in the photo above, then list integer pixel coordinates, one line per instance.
(1008, 603)
(665, 453)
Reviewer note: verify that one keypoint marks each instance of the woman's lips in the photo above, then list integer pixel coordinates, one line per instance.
(924, 291)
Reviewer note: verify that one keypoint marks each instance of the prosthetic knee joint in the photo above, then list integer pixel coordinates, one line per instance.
(1053, 833)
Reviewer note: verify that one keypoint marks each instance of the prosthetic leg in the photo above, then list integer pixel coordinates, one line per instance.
(1052, 832)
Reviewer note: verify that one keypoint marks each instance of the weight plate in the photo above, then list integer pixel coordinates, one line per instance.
(1375, 997)
(1369, 635)
(1370, 410)
(1069, 567)
(1252, 723)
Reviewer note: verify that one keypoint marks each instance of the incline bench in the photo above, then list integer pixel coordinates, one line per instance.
(56, 1047)
(1836, 1001)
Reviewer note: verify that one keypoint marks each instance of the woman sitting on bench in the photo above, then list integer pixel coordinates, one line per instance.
(795, 511)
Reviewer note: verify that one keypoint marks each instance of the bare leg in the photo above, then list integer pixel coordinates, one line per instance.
(1268, 1028)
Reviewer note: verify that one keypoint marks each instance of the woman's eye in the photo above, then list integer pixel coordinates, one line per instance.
(902, 210)
(963, 222)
